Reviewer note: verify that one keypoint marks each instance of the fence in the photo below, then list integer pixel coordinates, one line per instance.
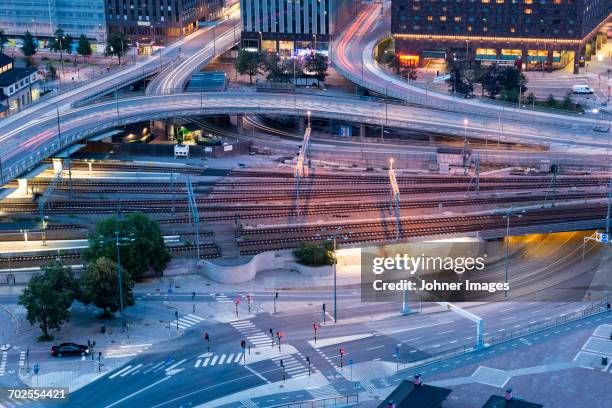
(345, 400)
(602, 306)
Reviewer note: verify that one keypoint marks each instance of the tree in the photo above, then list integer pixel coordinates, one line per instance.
(29, 46)
(461, 79)
(490, 80)
(3, 40)
(318, 65)
(312, 254)
(84, 47)
(61, 42)
(276, 69)
(51, 72)
(146, 250)
(100, 286)
(248, 63)
(117, 45)
(48, 297)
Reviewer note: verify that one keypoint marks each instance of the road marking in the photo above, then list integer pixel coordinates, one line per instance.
(238, 356)
(222, 359)
(176, 364)
(374, 348)
(153, 368)
(120, 371)
(214, 360)
(415, 328)
(447, 331)
(229, 359)
(197, 364)
(206, 362)
(130, 370)
(139, 391)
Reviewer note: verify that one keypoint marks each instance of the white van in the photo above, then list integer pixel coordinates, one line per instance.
(582, 89)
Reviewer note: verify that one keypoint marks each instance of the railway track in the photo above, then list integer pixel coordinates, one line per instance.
(207, 251)
(276, 210)
(108, 166)
(263, 239)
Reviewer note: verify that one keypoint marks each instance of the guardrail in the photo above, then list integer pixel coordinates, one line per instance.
(438, 101)
(342, 401)
(601, 306)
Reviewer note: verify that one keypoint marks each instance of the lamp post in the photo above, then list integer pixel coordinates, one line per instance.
(118, 241)
(509, 213)
(334, 235)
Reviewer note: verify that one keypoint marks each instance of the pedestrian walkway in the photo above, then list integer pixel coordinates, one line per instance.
(221, 298)
(3, 363)
(254, 336)
(189, 320)
(213, 359)
(597, 349)
(128, 350)
(293, 367)
(145, 368)
(249, 403)
(323, 392)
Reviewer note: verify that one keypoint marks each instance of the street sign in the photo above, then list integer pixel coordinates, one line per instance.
(601, 237)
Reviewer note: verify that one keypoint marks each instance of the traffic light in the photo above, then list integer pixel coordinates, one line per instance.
(243, 344)
(206, 336)
(341, 352)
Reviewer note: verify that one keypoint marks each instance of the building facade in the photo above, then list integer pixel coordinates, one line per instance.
(537, 34)
(18, 86)
(294, 26)
(157, 21)
(43, 17)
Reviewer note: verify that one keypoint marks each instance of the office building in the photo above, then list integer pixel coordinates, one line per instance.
(155, 22)
(536, 34)
(18, 86)
(294, 26)
(43, 18)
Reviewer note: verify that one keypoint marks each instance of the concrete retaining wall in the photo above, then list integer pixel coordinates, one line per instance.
(265, 261)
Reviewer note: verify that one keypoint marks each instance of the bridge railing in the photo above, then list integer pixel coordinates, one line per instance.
(342, 401)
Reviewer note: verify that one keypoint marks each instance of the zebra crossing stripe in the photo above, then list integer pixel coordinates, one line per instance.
(197, 364)
(229, 359)
(222, 359)
(214, 360)
(238, 356)
(206, 362)
(198, 318)
(148, 370)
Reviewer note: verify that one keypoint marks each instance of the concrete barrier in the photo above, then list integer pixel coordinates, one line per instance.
(235, 272)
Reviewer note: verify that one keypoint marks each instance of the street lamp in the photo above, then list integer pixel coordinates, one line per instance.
(509, 213)
(118, 241)
(308, 113)
(334, 235)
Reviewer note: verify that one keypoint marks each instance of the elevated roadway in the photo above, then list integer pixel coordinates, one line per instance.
(24, 147)
(198, 52)
(352, 56)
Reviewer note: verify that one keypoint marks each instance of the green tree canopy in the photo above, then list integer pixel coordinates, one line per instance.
(248, 63)
(312, 254)
(84, 47)
(317, 64)
(100, 286)
(48, 297)
(461, 78)
(277, 70)
(145, 250)
(29, 46)
(61, 42)
(3, 40)
(117, 45)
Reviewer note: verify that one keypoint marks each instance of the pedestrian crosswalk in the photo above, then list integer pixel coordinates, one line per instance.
(323, 392)
(294, 367)
(128, 350)
(249, 404)
(255, 337)
(368, 386)
(189, 320)
(222, 298)
(3, 363)
(210, 360)
(22, 356)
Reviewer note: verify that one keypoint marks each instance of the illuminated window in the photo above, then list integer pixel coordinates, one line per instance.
(442, 18)
(499, 1)
(557, 1)
(512, 29)
(458, 18)
(485, 29)
(469, 28)
(527, 11)
(486, 1)
(528, 1)
(429, 18)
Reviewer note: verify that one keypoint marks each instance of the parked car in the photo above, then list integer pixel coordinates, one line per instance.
(582, 89)
(69, 349)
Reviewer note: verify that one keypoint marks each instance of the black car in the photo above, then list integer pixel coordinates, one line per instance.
(69, 349)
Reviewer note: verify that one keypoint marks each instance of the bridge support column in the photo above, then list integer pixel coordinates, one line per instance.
(22, 188)
(362, 132)
(158, 128)
(57, 166)
(238, 121)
